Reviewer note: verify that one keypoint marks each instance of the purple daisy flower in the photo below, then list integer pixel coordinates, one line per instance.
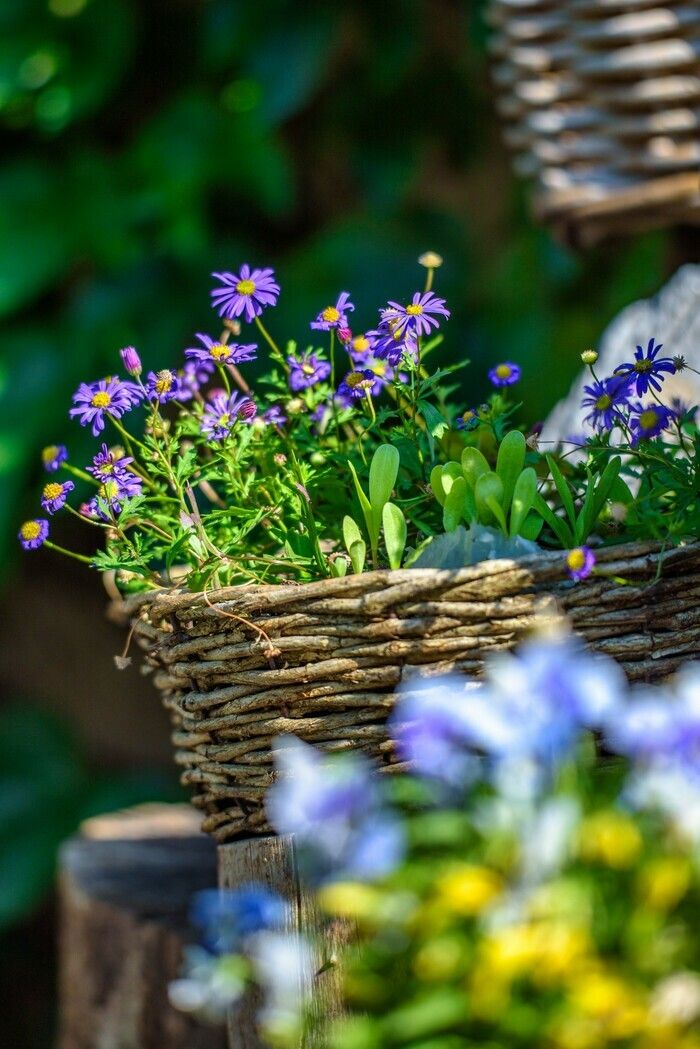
(649, 420)
(248, 292)
(607, 400)
(55, 494)
(468, 420)
(420, 315)
(33, 534)
(53, 456)
(388, 343)
(580, 562)
(163, 386)
(107, 464)
(221, 413)
(131, 361)
(307, 370)
(648, 369)
(360, 346)
(193, 376)
(334, 316)
(274, 416)
(356, 384)
(95, 400)
(221, 352)
(505, 374)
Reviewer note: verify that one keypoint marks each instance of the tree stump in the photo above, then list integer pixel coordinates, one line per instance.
(125, 888)
(271, 861)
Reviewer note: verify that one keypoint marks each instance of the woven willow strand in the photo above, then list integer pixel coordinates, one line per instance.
(323, 660)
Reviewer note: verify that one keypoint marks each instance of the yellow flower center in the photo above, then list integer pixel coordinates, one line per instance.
(245, 287)
(468, 415)
(101, 399)
(49, 454)
(360, 343)
(53, 490)
(504, 371)
(109, 490)
(603, 402)
(30, 530)
(331, 314)
(164, 382)
(308, 369)
(576, 559)
(219, 351)
(225, 419)
(641, 367)
(414, 310)
(354, 379)
(379, 368)
(648, 419)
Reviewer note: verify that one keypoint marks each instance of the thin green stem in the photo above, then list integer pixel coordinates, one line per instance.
(69, 553)
(82, 474)
(368, 398)
(272, 344)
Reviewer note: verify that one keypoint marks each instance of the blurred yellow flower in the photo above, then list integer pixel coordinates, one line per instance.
(663, 882)
(621, 1008)
(611, 838)
(469, 889)
(350, 899)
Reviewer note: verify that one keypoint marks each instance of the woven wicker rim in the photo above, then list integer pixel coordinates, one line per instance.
(322, 660)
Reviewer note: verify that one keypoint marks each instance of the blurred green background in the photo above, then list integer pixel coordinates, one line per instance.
(145, 143)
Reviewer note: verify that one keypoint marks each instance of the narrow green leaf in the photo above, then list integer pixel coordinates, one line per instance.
(383, 471)
(351, 532)
(563, 489)
(395, 533)
(488, 487)
(358, 553)
(523, 497)
(453, 510)
(509, 463)
(557, 524)
(531, 526)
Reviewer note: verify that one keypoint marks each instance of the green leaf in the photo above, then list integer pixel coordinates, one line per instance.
(453, 510)
(488, 489)
(338, 567)
(434, 420)
(358, 553)
(531, 526)
(383, 471)
(557, 524)
(351, 532)
(395, 533)
(523, 498)
(563, 489)
(474, 465)
(509, 463)
(436, 484)
(365, 505)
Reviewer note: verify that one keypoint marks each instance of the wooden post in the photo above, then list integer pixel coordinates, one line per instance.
(125, 887)
(272, 862)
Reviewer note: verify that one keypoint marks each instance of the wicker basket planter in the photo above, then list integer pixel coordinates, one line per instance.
(322, 660)
(601, 102)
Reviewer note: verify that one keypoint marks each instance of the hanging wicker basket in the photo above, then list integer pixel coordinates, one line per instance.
(601, 103)
(322, 660)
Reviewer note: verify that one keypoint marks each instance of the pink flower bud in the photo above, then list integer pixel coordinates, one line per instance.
(345, 335)
(248, 410)
(131, 360)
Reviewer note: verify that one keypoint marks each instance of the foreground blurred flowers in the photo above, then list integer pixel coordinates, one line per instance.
(535, 882)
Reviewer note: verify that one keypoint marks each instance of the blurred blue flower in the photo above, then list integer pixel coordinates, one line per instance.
(227, 917)
(333, 807)
(431, 729)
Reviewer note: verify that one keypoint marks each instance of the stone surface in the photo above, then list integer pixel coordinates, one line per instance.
(672, 317)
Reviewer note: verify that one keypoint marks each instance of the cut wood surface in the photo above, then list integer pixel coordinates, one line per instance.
(126, 884)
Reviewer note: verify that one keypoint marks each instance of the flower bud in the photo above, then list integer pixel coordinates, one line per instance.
(344, 335)
(589, 356)
(430, 259)
(280, 459)
(131, 360)
(248, 410)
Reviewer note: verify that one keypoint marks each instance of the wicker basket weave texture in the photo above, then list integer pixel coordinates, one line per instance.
(601, 103)
(322, 660)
